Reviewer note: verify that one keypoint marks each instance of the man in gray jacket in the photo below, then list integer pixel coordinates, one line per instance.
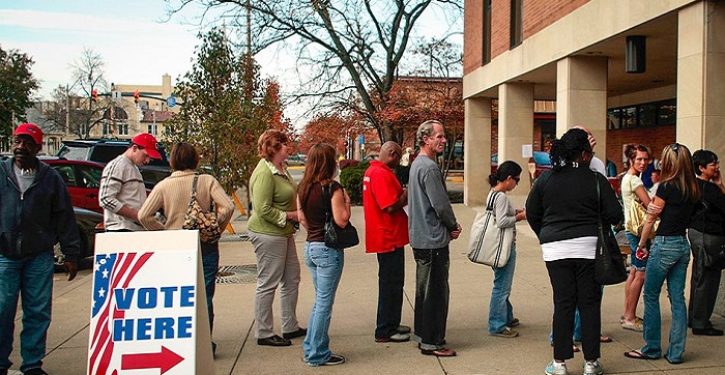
(431, 225)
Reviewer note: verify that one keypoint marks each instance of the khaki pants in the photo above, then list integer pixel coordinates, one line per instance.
(277, 265)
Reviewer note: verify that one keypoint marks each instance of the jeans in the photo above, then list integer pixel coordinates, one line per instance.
(668, 260)
(32, 279)
(704, 285)
(638, 264)
(391, 278)
(431, 297)
(572, 281)
(210, 265)
(500, 311)
(325, 265)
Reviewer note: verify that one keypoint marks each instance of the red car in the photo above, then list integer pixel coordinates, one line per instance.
(83, 178)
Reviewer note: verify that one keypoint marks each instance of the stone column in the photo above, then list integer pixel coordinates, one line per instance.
(476, 150)
(581, 97)
(515, 128)
(701, 77)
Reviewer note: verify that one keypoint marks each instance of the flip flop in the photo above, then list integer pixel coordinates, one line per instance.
(636, 354)
(605, 339)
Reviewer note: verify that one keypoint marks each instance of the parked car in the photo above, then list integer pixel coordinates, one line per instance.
(89, 223)
(105, 150)
(83, 178)
(296, 159)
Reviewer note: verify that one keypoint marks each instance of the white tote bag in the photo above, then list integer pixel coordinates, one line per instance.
(488, 244)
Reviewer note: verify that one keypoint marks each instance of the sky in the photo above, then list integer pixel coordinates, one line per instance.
(134, 37)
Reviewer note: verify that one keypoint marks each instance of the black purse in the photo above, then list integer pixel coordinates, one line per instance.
(336, 237)
(609, 266)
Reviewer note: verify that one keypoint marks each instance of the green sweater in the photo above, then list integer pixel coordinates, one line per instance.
(273, 194)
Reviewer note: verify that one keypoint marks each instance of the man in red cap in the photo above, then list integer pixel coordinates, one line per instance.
(122, 191)
(35, 213)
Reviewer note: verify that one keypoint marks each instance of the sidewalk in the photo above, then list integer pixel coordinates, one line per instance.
(353, 321)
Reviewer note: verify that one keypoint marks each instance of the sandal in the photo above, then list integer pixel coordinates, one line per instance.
(605, 339)
(636, 354)
(633, 326)
(636, 318)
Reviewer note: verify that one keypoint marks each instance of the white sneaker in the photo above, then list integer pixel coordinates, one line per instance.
(593, 368)
(555, 368)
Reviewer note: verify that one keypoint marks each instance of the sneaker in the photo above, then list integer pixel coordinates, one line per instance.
(593, 368)
(335, 359)
(555, 368)
(35, 371)
(507, 332)
(513, 323)
(274, 341)
(402, 329)
(396, 337)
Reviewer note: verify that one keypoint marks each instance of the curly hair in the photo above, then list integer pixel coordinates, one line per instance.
(270, 142)
(568, 148)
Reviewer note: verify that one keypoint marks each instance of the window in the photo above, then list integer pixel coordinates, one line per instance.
(106, 131)
(153, 129)
(90, 176)
(486, 31)
(645, 115)
(67, 173)
(122, 128)
(516, 22)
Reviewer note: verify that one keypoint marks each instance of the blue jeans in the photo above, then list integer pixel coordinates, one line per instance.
(325, 265)
(638, 264)
(32, 279)
(668, 260)
(500, 311)
(210, 265)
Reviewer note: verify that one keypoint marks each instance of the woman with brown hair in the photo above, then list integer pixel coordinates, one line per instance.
(271, 229)
(172, 195)
(320, 196)
(674, 203)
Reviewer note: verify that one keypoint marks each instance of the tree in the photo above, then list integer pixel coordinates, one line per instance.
(226, 107)
(16, 86)
(349, 46)
(329, 128)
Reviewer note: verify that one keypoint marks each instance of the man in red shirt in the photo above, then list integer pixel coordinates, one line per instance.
(386, 232)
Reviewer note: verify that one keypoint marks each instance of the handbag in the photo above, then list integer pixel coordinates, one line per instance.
(713, 245)
(636, 216)
(336, 237)
(197, 218)
(488, 244)
(608, 262)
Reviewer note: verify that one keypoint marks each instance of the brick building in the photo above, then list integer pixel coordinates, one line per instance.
(629, 70)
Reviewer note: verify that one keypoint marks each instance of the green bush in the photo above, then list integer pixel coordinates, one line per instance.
(351, 179)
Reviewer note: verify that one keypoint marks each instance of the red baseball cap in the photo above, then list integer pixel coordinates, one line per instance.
(148, 142)
(32, 130)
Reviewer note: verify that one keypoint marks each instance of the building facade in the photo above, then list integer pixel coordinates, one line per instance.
(650, 72)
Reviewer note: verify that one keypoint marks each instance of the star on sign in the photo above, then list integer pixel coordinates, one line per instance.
(96, 267)
(105, 274)
(101, 292)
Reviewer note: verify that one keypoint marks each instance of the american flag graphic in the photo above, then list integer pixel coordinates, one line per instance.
(110, 271)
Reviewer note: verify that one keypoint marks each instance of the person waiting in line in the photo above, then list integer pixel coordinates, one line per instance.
(563, 210)
(674, 204)
(386, 233)
(271, 230)
(710, 220)
(634, 192)
(172, 195)
(319, 195)
(501, 321)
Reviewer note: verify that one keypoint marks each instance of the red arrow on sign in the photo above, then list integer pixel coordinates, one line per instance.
(163, 360)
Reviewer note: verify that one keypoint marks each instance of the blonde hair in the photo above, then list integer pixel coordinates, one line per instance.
(677, 169)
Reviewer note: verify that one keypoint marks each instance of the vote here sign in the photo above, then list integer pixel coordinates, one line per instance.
(148, 312)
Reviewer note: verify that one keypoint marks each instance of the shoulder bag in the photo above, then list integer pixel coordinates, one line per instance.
(636, 216)
(488, 244)
(204, 221)
(608, 262)
(336, 237)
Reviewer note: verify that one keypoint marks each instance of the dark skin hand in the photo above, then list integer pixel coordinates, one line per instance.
(71, 268)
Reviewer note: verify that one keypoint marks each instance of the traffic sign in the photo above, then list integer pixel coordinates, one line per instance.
(171, 101)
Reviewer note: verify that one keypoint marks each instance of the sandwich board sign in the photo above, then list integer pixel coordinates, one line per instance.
(148, 309)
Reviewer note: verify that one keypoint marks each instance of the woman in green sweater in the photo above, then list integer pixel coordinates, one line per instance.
(272, 228)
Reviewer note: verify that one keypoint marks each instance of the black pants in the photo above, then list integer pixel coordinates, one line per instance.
(431, 296)
(391, 278)
(572, 281)
(704, 285)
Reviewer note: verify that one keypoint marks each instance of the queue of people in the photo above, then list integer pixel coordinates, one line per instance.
(685, 214)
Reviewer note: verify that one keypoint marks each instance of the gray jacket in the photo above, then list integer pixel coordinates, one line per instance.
(430, 215)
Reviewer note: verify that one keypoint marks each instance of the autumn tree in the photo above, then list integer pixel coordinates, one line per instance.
(347, 47)
(225, 108)
(16, 87)
(332, 128)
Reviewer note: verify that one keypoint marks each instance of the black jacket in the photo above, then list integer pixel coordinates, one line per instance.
(563, 204)
(31, 223)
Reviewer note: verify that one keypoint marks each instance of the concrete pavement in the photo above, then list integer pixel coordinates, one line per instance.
(353, 321)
